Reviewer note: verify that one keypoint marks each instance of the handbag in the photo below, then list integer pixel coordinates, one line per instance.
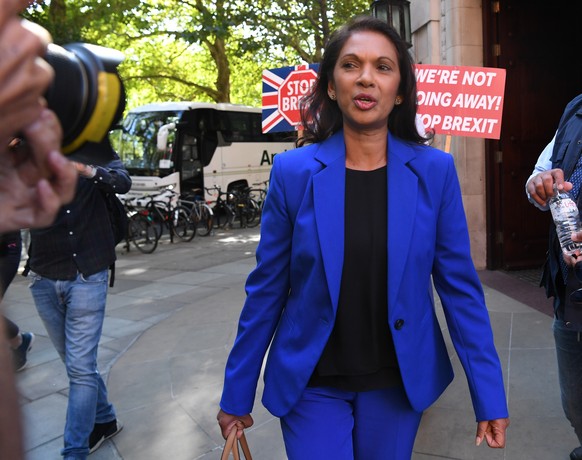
(232, 446)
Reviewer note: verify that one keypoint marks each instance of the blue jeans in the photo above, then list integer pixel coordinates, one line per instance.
(328, 423)
(73, 312)
(569, 353)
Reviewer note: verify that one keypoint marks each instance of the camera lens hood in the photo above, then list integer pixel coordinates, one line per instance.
(87, 94)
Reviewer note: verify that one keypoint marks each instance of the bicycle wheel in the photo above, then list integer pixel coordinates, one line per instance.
(183, 227)
(253, 213)
(142, 234)
(204, 222)
(240, 214)
(223, 216)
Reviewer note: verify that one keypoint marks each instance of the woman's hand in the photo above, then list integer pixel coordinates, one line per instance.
(493, 431)
(228, 421)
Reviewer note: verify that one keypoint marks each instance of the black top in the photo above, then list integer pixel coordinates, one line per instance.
(359, 354)
(81, 238)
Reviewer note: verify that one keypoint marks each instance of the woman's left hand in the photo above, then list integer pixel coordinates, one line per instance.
(228, 422)
(493, 431)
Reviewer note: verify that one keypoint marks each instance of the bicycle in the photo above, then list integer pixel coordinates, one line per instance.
(200, 212)
(165, 215)
(140, 229)
(223, 211)
(246, 208)
(261, 188)
(259, 194)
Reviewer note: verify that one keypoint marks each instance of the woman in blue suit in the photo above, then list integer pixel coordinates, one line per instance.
(356, 222)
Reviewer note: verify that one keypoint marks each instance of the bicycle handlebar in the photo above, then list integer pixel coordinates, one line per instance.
(218, 190)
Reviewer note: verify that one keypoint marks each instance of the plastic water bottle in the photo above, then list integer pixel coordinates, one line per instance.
(567, 219)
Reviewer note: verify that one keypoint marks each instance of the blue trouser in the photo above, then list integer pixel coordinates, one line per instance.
(332, 424)
(569, 353)
(73, 312)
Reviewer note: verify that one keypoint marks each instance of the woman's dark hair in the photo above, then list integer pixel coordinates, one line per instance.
(321, 117)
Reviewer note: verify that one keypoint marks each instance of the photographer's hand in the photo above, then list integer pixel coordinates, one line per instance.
(24, 75)
(84, 170)
(35, 178)
(34, 187)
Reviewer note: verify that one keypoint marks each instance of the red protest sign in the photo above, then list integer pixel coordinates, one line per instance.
(461, 100)
(283, 89)
(295, 87)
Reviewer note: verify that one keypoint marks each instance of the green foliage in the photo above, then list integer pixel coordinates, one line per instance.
(203, 50)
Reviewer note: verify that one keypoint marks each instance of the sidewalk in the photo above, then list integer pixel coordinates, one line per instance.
(171, 319)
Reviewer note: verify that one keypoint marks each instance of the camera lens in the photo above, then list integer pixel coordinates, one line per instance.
(86, 94)
(68, 94)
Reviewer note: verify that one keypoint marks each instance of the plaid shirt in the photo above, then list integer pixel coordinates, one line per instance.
(81, 238)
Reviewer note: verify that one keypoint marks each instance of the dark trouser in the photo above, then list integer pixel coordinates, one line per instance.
(569, 354)
(12, 329)
(567, 329)
(10, 249)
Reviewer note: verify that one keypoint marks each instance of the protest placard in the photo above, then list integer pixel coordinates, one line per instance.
(283, 89)
(461, 100)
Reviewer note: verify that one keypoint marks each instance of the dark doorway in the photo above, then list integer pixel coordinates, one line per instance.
(538, 43)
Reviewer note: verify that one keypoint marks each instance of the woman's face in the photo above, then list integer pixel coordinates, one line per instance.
(366, 78)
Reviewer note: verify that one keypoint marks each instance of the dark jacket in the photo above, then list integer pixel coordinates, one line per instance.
(81, 238)
(567, 149)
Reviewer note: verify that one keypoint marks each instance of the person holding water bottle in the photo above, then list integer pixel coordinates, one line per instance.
(547, 188)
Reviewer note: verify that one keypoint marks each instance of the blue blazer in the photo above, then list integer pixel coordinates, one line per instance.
(292, 294)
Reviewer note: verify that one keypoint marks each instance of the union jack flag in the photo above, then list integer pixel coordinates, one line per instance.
(273, 120)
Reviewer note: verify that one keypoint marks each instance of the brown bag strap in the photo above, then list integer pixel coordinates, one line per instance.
(231, 445)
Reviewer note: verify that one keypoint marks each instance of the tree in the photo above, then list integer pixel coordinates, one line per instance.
(205, 50)
(302, 27)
